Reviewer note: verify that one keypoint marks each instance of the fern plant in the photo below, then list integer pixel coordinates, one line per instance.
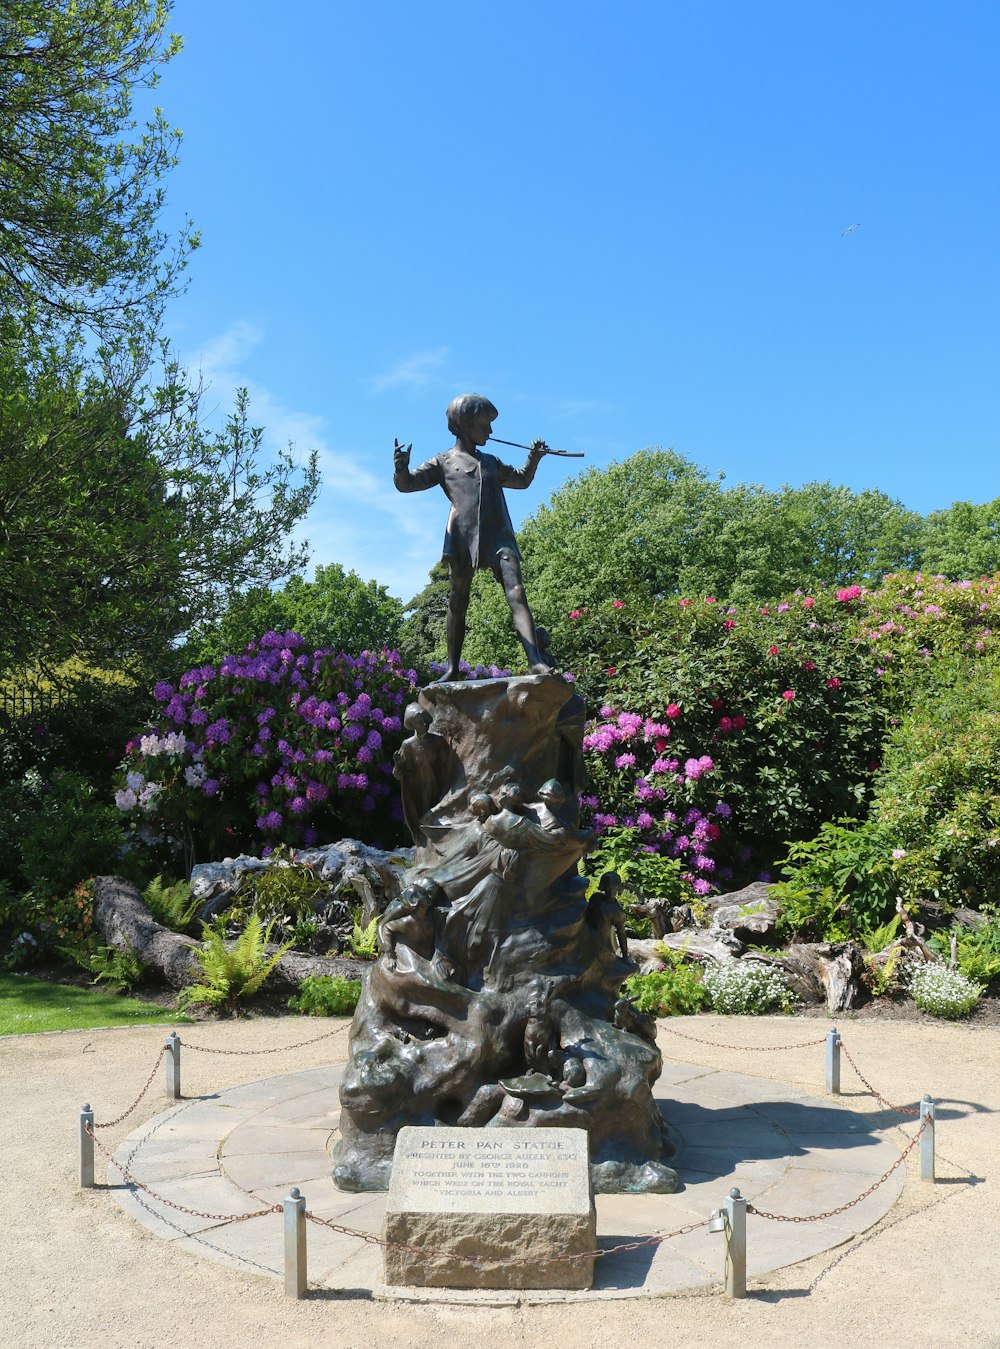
(231, 972)
(171, 903)
(363, 940)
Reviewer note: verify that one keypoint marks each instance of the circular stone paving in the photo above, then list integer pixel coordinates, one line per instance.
(243, 1148)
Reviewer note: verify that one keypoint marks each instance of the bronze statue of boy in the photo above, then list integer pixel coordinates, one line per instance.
(479, 535)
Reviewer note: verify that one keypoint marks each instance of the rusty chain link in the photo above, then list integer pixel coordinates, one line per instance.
(900, 1109)
(803, 1044)
(179, 1208)
(110, 1124)
(253, 1053)
(373, 1239)
(842, 1208)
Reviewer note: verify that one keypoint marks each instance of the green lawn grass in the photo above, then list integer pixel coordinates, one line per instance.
(28, 1005)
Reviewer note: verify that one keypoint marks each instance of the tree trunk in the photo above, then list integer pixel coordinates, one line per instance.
(126, 923)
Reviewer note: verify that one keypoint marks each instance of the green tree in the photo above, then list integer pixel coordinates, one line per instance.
(963, 542)
(658, 525)
(80, 181)
(423, 630)
(834, 536)
(123, 524)
(336, 609)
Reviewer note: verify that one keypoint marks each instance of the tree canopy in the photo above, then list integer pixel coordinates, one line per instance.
(336, 609)
(80, 181)
(122, 522)
(657, 525)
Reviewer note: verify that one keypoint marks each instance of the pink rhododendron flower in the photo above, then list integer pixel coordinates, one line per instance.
(673, 711)
(574, 613)
(788, 695)
(772, 650)
(808, 602)
(848, 593)
(617, 604)
(729, 623)
(833, 683)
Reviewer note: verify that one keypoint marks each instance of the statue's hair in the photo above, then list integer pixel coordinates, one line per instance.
(413, 710)
(465, 407)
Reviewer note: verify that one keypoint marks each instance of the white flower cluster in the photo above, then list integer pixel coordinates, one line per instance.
(137, 792)
(173, 743)
(746, 989)
(942, 991)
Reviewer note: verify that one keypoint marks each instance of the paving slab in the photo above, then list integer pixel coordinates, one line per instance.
(243, 1148)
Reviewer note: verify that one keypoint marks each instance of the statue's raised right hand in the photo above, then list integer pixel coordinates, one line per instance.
(401, 455)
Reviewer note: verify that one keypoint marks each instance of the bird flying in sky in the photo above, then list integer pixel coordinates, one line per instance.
(850, 229)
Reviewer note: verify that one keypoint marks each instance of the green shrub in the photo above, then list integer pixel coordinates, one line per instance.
(677, 990)
(233, 973)
(838, 884)
(68, 832)
(326, 995)
(943, 992)
(746, 989)
(939, 797)
(286, 894)
(38, 925)
(977, 948)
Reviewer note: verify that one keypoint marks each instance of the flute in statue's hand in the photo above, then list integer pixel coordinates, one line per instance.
(539, 448)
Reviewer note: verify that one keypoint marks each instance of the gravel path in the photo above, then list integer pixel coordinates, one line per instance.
(74, 1270)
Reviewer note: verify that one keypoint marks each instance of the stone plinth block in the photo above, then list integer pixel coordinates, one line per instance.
(520, 1200)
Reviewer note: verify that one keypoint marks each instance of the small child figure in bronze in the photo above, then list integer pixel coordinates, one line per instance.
(410, 920)
(479, 535)
(605, 914)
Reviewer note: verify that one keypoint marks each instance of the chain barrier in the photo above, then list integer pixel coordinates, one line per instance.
(179, 1208)
(110, 1124)
(842, 1208)
(900, 1109)
(802, 1044)
(253, 1053)
(373, 1239)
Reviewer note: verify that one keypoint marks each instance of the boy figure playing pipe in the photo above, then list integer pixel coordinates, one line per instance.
(479, 535)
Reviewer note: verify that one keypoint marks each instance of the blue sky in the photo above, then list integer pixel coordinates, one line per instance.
(623, 224)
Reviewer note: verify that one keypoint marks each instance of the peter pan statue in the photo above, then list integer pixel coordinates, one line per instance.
(479, 535)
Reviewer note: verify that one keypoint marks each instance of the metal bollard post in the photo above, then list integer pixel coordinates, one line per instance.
(833, 1062)
(86, 1148)
(295, 1244)
(927, 1140)
(172, 1059)
(736, 1244)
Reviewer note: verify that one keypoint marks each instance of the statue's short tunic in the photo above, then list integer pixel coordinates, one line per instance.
(479, 524)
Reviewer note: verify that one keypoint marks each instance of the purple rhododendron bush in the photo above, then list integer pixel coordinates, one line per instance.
(275, 745)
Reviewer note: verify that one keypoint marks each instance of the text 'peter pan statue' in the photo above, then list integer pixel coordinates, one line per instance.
(479, 536)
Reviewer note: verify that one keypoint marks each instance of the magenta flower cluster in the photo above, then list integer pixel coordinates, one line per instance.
(675, 809)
